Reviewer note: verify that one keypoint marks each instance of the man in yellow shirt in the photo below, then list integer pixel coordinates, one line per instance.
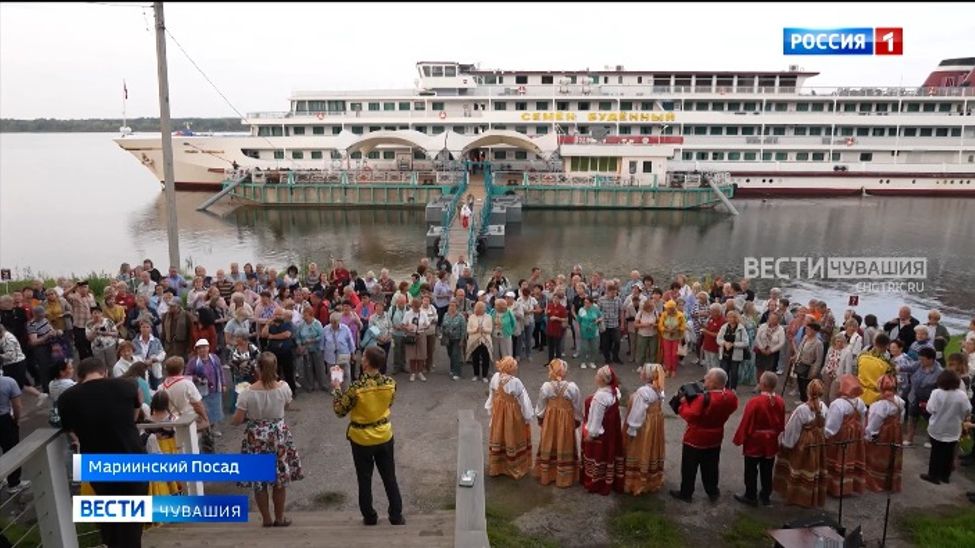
(872, 365)
(367, 402)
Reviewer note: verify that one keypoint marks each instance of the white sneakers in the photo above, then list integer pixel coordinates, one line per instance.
(474, 378)
(41, 400)
(485, 379)
(422, 378)
(454, 377)
(412, 377)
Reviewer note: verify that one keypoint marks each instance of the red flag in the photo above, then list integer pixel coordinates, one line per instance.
(125, 90)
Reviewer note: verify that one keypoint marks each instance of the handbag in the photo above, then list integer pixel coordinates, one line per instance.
(410, 338)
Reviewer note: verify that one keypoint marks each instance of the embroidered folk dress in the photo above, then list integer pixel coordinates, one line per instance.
(844, 423)
(645, 451)
(883, 429)
(510, 440)
(800, 468)
(558, 408)
(602, 457)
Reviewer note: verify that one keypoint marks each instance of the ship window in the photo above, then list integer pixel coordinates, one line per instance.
(605, 79)
(818, 107)
(913, 107)
(584, 130)
(541, 130)
(500, 127)
(375, 128)
(357, 130)
(846, 131)
(944, 107)
(458, 130)
(298, 130)
(605, 105)
(802, 107)
(503, 155)
(925, 132)
(928, 107)
(421, 129)
(336, 130)
(404, 105)
(877, 132)
(279, 155)
(700, 130)
(815, 131)
(521, 105)
(802, 156)
(849, 107)
(748, 130)
(450, 71)
(766, 156)
(373, 155)
(714, 130)
(863, 131)
(956, 132)
(818, 156)
(437, 71)
(625, 130)
(700, 105)
(318, 130)
(781, 107)
(668, 130)
(734, 105)
(731, 130)
(734, 156)
(910, 132)
(389, 106)
(864, 107)
(836, 156)
(263, 131)
(437, 129)
(355, 107)
(687, 130)
(491, 79)
(647, 105)
(778, 130)
(522, 129)
(750, 107)
(717, 106)
(419, 155)
(561, 105)
(866, 156)
(316, 155)
(750, 156)
(521, 155)
(583, 105)
(500, 105)
(645, 130)
(426, 71)
(800, 131)
(547, 79)
(419, 105)
(687, 156)
(781, 156)
(521, 79)
(389, 155)
(639, 79)
(882, 107)
(373, 106)
(717, 155)
(436, 105)
(702, 155)
(541, 105)
(297, 155)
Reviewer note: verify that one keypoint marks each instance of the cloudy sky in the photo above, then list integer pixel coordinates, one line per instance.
(69, 60)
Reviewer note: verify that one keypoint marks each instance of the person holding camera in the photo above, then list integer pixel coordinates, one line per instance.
(102, 336)
(732, 347)
(706, 416)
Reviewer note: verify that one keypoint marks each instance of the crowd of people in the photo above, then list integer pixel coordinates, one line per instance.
(258, 337)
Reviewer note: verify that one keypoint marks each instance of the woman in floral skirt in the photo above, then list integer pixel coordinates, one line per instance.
(262, 407)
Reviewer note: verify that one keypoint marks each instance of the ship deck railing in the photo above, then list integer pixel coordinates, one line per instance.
(352, 177)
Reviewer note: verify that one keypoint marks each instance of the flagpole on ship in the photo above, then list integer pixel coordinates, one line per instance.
(125, 130)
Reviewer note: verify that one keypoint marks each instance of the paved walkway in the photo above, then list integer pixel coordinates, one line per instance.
(458, 235)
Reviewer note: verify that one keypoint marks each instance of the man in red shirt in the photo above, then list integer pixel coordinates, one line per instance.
(758, 434)
(705, 416)
(124, 298)
(319, 307)
(709, 341)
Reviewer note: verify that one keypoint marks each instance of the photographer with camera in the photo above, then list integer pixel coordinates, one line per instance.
(706, 415)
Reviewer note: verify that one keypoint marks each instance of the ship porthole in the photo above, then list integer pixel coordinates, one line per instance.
(748, 180)
(914, 181)
(888, 181)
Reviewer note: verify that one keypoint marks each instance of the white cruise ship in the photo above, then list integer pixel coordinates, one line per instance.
(773, 132)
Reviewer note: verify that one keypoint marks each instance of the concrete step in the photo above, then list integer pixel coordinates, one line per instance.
(310, 529)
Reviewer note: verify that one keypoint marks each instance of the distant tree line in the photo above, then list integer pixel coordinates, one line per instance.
(111, 125)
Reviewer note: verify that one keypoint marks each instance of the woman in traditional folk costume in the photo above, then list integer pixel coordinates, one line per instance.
(644, 441)
(510, 442)
(800, 467)
(602, 436)
(883, 430)
(844, 426)
(559, 412)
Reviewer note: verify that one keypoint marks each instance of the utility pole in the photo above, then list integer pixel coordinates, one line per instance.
(165, 126)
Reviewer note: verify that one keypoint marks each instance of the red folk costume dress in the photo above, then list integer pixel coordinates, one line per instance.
(602, 457)
(800, 470)
(882, 432)
(844, 423)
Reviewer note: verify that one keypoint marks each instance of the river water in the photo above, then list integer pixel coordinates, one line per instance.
(76, 203)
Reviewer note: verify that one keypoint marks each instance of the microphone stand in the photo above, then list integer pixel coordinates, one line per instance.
(842, 444)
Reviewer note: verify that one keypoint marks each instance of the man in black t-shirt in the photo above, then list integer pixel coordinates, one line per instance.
(101, 412)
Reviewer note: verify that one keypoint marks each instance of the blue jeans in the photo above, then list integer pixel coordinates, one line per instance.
(524, 348)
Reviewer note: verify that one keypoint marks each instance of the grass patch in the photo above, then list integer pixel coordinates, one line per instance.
(329, 498)
(954, 345)
(746, 532)
(639, 521)
(949, 530)
(503, 533)
(23, 535)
